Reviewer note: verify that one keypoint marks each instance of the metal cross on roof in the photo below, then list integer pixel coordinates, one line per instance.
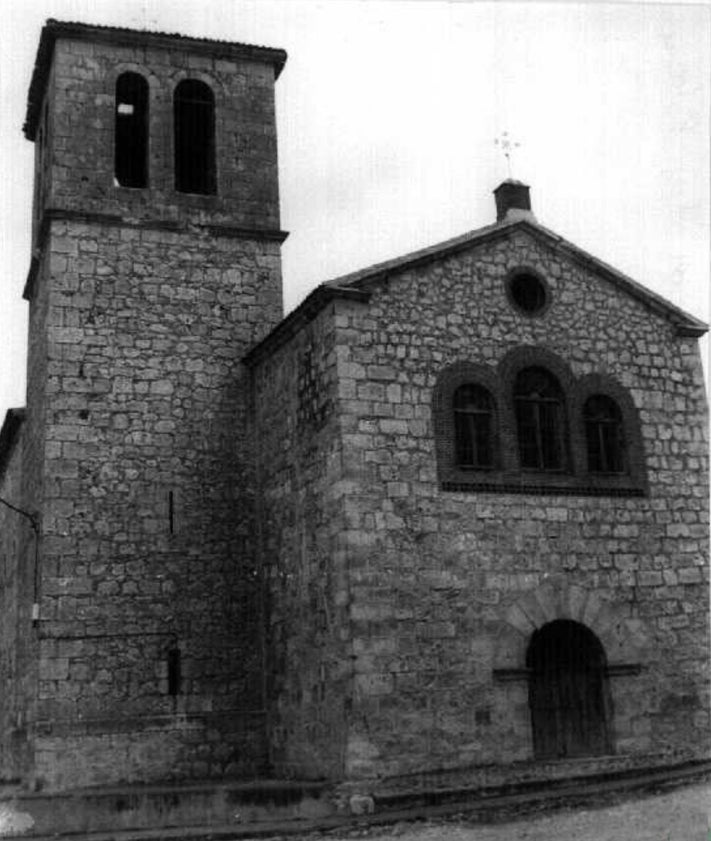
(507, 145)
(142, 20)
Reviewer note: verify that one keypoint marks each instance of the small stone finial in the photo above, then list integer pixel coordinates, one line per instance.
(507, 145)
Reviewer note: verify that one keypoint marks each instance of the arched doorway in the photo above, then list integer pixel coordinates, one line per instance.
(568, 692)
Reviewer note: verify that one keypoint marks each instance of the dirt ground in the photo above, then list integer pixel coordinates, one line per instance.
(683, 814)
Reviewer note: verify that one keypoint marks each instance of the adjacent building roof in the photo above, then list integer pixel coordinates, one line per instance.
(54, 29)
(364, 279)
(312, 304)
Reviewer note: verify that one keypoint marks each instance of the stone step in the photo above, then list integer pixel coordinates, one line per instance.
(260, 809)
(162, 808)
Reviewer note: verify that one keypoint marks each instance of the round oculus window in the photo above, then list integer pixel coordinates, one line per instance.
(528, 293)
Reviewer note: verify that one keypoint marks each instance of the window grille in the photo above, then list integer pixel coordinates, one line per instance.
(473, 426)
(604, 433)
(538, 400)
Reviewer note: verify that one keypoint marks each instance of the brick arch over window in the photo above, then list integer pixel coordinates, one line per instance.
(633, 468)
(515, 362)
(450, 384)
(540, 423)
(525, 356)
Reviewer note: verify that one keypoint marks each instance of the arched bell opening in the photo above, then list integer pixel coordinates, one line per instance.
(194, 137)
(568, 692)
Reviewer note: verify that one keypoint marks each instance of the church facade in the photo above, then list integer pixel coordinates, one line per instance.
(450, 513)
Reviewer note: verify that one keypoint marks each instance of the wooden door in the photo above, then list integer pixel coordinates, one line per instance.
(568, 693)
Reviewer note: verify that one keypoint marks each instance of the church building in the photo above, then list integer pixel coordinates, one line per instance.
(450, 513)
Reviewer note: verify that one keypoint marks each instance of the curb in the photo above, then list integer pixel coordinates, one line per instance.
(472, 804)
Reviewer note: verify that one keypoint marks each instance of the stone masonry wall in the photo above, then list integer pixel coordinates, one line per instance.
(300, 464)
(147, 492)
(446, 587)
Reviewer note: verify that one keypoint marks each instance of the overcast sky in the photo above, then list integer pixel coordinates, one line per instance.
(387, 114)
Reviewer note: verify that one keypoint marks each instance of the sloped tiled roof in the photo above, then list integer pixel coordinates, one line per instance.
(54, 29)
(681, 319)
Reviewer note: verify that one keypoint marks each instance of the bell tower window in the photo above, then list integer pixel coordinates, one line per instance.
(194, 137)
(131, 131)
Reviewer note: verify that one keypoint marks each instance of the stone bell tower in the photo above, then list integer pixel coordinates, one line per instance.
(155, 267)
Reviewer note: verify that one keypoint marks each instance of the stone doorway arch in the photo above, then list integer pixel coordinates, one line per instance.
(630, 654)
(568, 692)
(626, 640)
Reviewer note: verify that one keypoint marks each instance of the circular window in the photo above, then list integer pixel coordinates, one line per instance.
(528, 292)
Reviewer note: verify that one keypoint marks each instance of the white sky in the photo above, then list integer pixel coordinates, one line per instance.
(387, 112)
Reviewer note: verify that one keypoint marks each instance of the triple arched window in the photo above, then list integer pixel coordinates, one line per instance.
(193, 134)
(535, 427)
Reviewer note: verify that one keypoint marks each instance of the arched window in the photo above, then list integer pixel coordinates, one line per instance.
(473, 426)
(194, 137)
(604, 435)
(538, 400)
(568, 692)
(131, 131)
